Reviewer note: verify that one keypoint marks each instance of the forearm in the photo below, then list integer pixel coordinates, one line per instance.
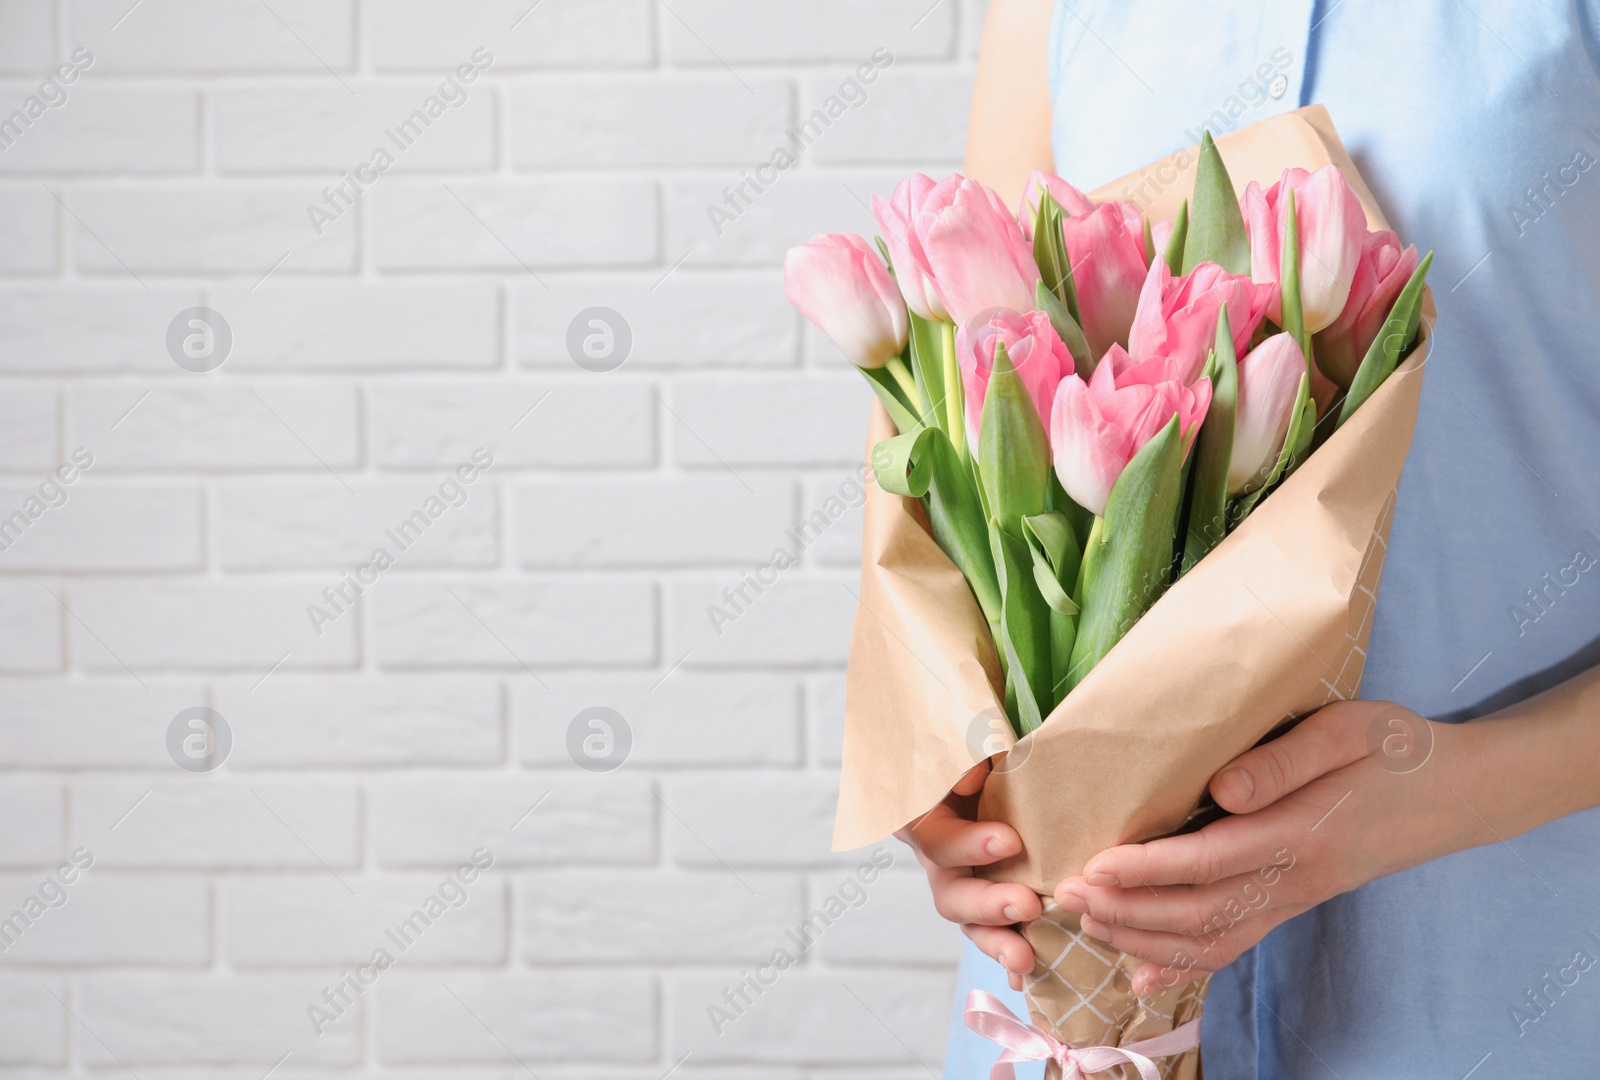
(1008, 135)
(1537, 760)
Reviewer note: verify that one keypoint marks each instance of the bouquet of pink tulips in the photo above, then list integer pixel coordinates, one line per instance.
(1131, 448)
(1172, 374)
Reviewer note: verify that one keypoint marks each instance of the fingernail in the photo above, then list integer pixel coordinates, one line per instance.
(1011, 913)
(993, 846)
(1095, 929)
(1073, 901)
(1237, 783)
(1103, 879)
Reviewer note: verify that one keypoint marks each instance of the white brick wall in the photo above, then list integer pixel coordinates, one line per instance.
(430, 720)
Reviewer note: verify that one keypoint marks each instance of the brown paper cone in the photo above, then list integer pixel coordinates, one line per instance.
(1271, 625)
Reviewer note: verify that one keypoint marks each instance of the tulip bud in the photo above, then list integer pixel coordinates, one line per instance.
(838, 282)
(1106, 251)
(1036, 351)
(1096, 427)
(1381, 273)
(1269, 384)
(1331, 226)
(1072, 201)
(960, 246)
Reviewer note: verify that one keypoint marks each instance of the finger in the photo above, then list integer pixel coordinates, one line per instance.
(1180, 951)
(1152, 978)
(1173, 909)
(1322, 742)
(972, 782)
(1220, 850)
(950, 840)
(961, 898)
(1006, 947)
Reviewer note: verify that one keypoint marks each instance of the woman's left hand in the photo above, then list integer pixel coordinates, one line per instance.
(1357, 790)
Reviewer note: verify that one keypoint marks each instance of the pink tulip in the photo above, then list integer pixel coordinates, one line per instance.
(1177, 317)
(896, 219)
(1108, 271)
(1331, 225)
(1382, 272)
(1096, 427)
(1269, 381)
(962, 237)
(1035, 350)
(838, 282)
(1073, 201)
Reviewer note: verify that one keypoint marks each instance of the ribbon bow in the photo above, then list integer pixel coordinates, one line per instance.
(989, 1017)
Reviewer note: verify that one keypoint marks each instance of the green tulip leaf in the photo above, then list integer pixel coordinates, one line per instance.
(1173, 256)
(889, 392)
(1392, 342)
(927, 364)
(1067, 329)
(1013, 451)
(1294, 316)
(1024, 630)
(1129, 559)
(1208, 501)
(1216, 226)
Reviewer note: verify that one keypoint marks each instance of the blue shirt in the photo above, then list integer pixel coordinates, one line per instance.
(1477, 125)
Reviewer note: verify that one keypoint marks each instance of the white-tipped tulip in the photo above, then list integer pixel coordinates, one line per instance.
(838, 282)
(1269, 381)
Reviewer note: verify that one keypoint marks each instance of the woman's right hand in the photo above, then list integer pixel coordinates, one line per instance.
(949, 844)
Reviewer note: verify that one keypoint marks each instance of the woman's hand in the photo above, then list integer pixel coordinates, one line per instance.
(1358, 790)
(949, 844)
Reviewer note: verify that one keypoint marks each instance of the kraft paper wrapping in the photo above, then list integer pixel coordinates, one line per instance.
(1271, 625)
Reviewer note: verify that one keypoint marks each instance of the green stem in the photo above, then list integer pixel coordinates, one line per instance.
(952, 389)
(902, 375)
(1091, 549)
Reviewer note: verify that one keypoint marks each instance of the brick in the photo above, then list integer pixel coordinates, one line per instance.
(293, 721)
(61, 327)
(911, 117)
(101, 528)
(678, 321)
(756, 228)
(315, 523)
(34, 810)
(33, 1020)
(306, 920)
(590, 819)
(825, 718)
(812, 1018)
(410, 34)
(225, 36)
(370, 326)
(27, 228)
(29, 428)
(715, 32)
(308, 427)
(604, 122)
(682, 719)
(545, 1016)
(797, 620)
(182, 1019)
(30, 628)
(206, 229)
(221, 626)
(895, 924)
(29, 42)
(177, 824)
(107, 128)
(750, 819)
(691, 521)
(323, 129)
(831, 516)
(558, 425)
(776, 421)
(111, 724)
(514, 625)
(107, 918)
(651, 918)
(523, 227)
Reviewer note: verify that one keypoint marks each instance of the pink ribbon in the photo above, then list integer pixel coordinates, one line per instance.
(989, 1017)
